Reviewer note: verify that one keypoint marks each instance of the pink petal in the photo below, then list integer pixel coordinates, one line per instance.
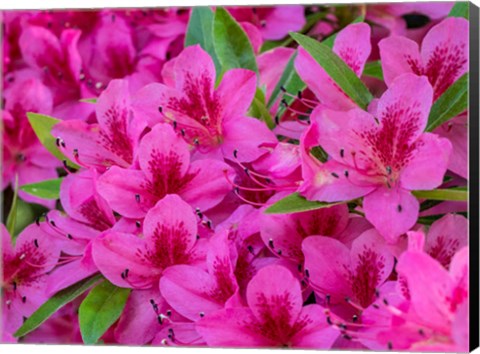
(164, 158)
(236, 92)
(254, 35)
(399, 107)
(325, 260)
(271, 65)
(35, 42)
(138, 323)
(445, 53)
(393, 211)
(422, 171)
(194, 67)
(446, 236)
(209, 184)
(352, 44)
(115, 252)
(231, 328)
(317, 334)
(274, 294)
(120, 187)
(428, 289)
(400, 55)
(245, 135)
(190, 291)
(320, 82)
(281, 20)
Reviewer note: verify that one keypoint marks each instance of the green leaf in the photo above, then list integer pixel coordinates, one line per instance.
(259, 110)
(88, 100)
(291, 82)
(336, 68)
(100, 309)
(373, 69)
(42, 125)
(56, 302)
(460, 9)
(450, 104)
(295, 203)
(12, 215)
(231, 43)
(200, 31)
(454, 194)
(49, 189)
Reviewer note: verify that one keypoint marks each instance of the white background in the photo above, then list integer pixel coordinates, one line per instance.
(56, 349)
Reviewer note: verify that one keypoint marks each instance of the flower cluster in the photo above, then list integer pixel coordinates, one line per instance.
(237, 187)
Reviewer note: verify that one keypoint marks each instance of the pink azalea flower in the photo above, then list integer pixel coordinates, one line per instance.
(274, 317)
(111, 141)
(443, 56)
(352, 45)
(165, 168)
(25, 268)
(382, 156)
(23, 155)
(436, 300)
(211, 119)
(337, 273)
(273, 22)
(170, 238)
(284, 233)
(194, 292)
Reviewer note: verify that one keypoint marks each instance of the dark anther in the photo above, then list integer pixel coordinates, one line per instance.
(198, 237)
(385, 301)
(236, 190)
(14, 284)
(375, 306)
(347, 299)
(35, 242)
(137, 198)
(169, 313)
(389, 170)
(335, 175)
(246, 171)
(346, 173)
(299, 95)
(235, 153)
(160, 320)
(201, 314)
(57, 142)
(284, 102)
(37, 220)
(126, 272)
(399, 208)
(329, 321)
(263, 23)
(347, 337)
(283, 89)
(152, 302)
(270, 243)
(24, 299)
(354, 318)
(75, 152)
(421, 332)
(377, 121)
(342, 326)
(342, 153)
(199, 213)
(390, 346)
(160, 109)
(70, 237)
(277, 120)
(279, 252)
(250, 249)
(377, 293)
(174, 123)
(138, 223)
(327, 299)
(307, 273)
(53, 223)
(182, 131)
(299, 267)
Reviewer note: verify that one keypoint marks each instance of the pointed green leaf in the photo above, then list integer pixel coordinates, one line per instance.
(450, 104)
(42, 125)
(88, 100)
(295, 203)
(200, 31)
(373, 69)
(56, 302)
(231, 43)
(460, 9)
(259, 110)
(49, 189)
(454, 194)
(336, 68)
(100, 309)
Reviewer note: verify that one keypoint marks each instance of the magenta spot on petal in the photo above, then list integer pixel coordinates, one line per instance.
(116, 138)
(443, 250)
(95, 216)
(225, 285)
(366, 276)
